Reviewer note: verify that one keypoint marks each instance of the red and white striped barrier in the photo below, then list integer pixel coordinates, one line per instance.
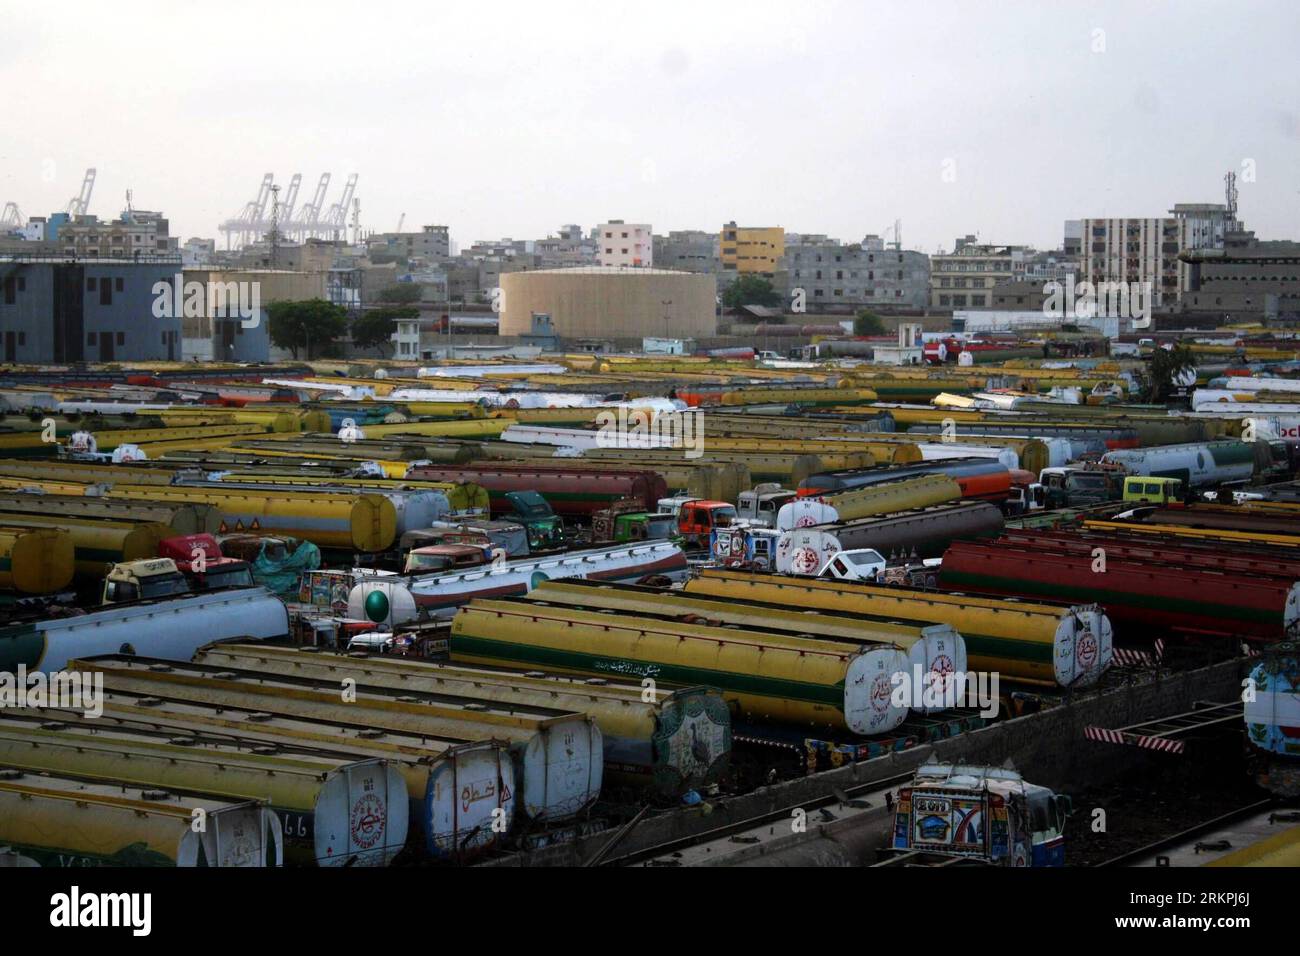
(1107, 736)
(1162, 744)
(1103, 734)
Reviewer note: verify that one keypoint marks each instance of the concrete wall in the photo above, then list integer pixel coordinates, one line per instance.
(586, 303)
(1047, 747)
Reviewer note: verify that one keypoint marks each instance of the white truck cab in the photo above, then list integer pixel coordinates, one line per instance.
(860, 564)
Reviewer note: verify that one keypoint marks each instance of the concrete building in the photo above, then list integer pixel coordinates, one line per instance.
(567, 250)
(198, 252)
(53, 311)
(625, 245)
(143, 234)
(1147, 250)
(233, 326)
(751, 249)
(966, 276)
(609, 302)
(688, 250)
(838, 277)
(431, 243)
(1245, 280)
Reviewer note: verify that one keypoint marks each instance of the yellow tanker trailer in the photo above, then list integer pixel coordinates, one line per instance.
(63, 822)
(1039, 642)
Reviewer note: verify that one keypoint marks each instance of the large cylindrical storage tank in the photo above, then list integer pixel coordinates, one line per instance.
(607, 302)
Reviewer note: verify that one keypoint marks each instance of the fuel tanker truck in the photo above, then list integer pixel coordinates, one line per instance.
(391, 600)
(61, 821)
(1033, 641)
(903, 494)
(923, 531)
(765, 676)
(171, 627)
(333, 811)
(1198, 465)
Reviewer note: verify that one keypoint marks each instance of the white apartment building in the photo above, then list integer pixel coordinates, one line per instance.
(627, 245)
(1146, 250)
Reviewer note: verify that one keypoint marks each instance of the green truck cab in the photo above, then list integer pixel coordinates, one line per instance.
(545, 528)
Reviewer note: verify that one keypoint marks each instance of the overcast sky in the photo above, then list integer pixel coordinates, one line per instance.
(509, 119)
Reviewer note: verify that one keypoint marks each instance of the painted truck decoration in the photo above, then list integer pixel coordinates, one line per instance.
(1272, 714)
(980, 814)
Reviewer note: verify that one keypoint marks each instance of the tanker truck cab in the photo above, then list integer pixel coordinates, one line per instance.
(448, 558)
(859, 564)
(1156, 491)
(983, 815)
(144, 579)
(760, 505)
(698, 517)
(544, 527)
(752, 549)
(198, 557)
(1071, 487)
(1025, 498)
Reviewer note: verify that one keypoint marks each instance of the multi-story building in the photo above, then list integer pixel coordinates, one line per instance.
(56, 310)
(965, 277)
(751, 249)
(687, 250)
(432, 244)
(570, 249)
(625, 245)
(857, 275)
(1246, 279)
(1147, 250)
(136, 234)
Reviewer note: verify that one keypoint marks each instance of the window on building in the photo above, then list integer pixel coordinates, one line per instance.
(90, 338)
(121, 338)
(90, 284)
(117, 285)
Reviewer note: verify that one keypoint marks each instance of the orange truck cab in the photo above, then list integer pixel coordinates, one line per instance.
(698, 517)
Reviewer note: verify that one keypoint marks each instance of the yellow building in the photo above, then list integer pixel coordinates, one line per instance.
(751, 249)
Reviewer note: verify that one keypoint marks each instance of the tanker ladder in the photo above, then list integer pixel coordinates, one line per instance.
(1168, 734)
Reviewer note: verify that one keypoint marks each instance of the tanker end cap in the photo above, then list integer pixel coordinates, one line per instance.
(376, 606)
(869, 682)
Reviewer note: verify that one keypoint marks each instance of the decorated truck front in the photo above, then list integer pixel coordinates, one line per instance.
(984, 815)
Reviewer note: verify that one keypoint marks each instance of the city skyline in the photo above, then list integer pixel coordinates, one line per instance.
(514, 124)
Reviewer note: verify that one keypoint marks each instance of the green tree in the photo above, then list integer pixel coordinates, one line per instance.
(750, 290)
(402, 293)
(312, 325)
(1164, 368)
(376, 326)
(868, 323)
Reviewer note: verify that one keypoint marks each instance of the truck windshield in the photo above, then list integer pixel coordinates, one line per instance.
(163, 584)
(722, 517)
(427, 562)
(1089, 481)
(240, 577)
